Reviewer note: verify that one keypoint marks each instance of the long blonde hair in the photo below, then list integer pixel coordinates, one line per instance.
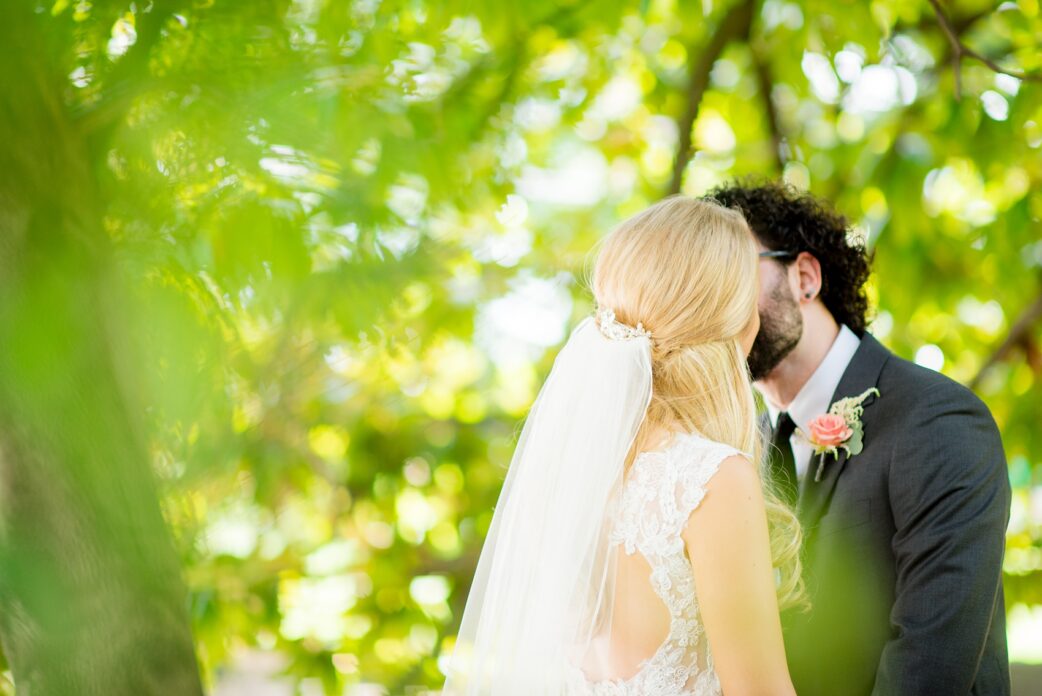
(687, 270)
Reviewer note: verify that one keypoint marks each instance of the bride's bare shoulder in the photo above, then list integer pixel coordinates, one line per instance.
(736, 475)
(733, 495)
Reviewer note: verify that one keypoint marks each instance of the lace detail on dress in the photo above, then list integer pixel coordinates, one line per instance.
(662, 489)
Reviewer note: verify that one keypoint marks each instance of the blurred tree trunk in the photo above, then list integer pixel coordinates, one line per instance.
(91, 600)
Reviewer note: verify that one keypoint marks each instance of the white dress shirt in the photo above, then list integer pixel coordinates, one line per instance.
(814, 397)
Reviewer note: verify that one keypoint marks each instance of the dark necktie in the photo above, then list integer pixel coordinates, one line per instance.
(782, 460)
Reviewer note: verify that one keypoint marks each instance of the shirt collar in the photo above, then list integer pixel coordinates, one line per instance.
(813, 398)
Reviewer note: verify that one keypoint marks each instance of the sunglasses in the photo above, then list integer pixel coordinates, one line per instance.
(779, 254)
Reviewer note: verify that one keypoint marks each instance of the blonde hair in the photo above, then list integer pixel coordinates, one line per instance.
(687, 270)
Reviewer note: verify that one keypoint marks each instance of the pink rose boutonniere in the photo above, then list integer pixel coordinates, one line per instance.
(840, 427)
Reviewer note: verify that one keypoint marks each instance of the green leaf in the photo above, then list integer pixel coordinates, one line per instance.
(855, 444)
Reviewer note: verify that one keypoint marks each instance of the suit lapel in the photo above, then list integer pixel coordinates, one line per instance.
(816, 495)
(862, 373)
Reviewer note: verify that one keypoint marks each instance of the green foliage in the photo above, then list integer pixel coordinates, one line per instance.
(355, 232)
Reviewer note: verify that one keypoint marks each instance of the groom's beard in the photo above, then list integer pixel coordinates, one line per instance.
(781, 326)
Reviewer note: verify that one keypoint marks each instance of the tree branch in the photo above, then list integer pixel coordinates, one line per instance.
(1017, 335)
(128, 77)
(959, 50)
(960, 24)
(766, 84)
(735, 25)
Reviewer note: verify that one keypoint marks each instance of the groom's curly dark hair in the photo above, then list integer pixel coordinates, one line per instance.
(784, 218)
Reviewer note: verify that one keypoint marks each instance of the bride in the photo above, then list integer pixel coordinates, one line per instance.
(634, 548)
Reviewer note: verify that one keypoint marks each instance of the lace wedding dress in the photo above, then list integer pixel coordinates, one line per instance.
(661, 490)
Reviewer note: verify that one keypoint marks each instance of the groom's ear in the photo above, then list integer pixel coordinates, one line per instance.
(805, 277)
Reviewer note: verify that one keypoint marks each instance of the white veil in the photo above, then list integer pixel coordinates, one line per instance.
(543, 591)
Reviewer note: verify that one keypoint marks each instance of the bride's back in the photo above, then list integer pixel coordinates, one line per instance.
(656, 640)
(641, 620)
(640, 626)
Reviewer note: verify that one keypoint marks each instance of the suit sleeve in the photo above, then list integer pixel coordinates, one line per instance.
(950, 497)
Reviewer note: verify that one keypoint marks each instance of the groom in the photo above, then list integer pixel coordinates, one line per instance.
(903, 541)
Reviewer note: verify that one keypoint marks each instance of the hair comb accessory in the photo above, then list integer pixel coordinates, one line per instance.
(618, 331)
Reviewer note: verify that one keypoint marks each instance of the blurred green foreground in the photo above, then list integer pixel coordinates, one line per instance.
(279, 279)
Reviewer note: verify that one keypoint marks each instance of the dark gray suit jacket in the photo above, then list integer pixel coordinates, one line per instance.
(904, 544)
